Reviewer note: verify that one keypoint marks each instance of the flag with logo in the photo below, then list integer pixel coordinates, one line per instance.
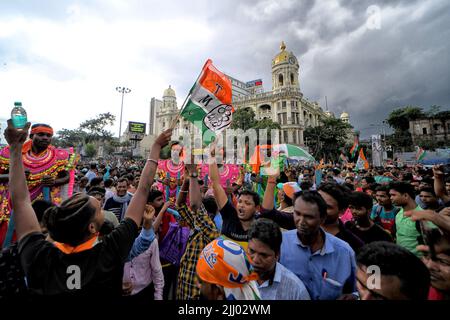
(362, 162)
(354, 149)
(420, 153)
(208, 105)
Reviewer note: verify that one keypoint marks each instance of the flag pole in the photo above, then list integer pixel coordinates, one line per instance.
(174, 122)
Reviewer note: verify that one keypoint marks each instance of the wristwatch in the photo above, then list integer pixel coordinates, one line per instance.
(194, 175)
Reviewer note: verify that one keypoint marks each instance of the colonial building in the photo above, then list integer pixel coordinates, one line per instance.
(163, 113)
(429, 129)
(285, 103)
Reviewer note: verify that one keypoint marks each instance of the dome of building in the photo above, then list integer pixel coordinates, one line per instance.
(344, 115)
(169, 92)
(283, 56)
(329, 114)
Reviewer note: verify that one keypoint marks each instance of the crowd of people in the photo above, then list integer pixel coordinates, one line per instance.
(175, 230)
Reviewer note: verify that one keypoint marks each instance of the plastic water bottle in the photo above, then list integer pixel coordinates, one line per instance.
(18, 116)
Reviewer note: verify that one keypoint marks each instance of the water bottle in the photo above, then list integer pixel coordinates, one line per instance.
(18, 116)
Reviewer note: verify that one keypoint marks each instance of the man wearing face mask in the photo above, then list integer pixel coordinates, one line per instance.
(171, 172)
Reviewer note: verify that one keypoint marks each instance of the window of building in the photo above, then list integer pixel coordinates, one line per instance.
(424, 130)
(436, 127)
(297, 116)
(294, 135)
(285, 134)
(283, 104)
(280, 79)
(284, 118)
(294, 118)
(279, 117)
(292, 78)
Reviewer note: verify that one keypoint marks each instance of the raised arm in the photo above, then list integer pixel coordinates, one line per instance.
(181, 198)
(24, 216)
(439, 186)
(136, 208)
(160, 215)
(269, 194)
(219, 193)
(195, 196)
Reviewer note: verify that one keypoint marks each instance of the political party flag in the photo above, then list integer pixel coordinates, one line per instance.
(362, 162)
(343, 158)
(420, 153)
(208, 105)
(354, 149)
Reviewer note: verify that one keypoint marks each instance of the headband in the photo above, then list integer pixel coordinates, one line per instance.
(42, 129)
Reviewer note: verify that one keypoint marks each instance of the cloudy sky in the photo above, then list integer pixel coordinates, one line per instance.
(64, 59)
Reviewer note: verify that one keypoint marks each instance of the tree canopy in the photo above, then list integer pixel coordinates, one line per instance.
(325, 139)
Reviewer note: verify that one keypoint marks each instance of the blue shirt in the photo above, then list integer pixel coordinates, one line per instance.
(90, 175)
(327, 273)
(141, 243)
(285, 286)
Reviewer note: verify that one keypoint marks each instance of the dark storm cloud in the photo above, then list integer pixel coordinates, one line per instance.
(364, 72)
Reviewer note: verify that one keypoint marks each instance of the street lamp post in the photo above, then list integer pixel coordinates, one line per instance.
(122, 90)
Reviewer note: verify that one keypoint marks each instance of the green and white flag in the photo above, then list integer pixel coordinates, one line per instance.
(208, 105)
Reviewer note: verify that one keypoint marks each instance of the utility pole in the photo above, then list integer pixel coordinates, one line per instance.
(122, 90)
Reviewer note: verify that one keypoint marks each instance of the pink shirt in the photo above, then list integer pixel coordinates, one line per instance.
(145, 269)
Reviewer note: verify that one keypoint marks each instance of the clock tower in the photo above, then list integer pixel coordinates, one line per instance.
(285, 70)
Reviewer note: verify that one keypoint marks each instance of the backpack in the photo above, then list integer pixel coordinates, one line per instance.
(174, 243)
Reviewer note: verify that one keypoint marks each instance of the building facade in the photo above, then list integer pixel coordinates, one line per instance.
(285, 103)
(429, 129)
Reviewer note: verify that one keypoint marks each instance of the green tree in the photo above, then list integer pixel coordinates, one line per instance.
(399, 119)
(243, 118)
(90, 150)
(90, 131)
(325, 139)
(433, 111)
(95, 128)
(70, 138)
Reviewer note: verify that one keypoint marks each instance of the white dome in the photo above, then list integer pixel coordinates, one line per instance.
(169, 92)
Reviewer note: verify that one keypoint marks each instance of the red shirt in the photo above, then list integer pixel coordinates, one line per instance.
(434, 294)
(165, 223)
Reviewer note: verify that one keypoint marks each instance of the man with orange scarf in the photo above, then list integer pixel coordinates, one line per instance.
(47, 169)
